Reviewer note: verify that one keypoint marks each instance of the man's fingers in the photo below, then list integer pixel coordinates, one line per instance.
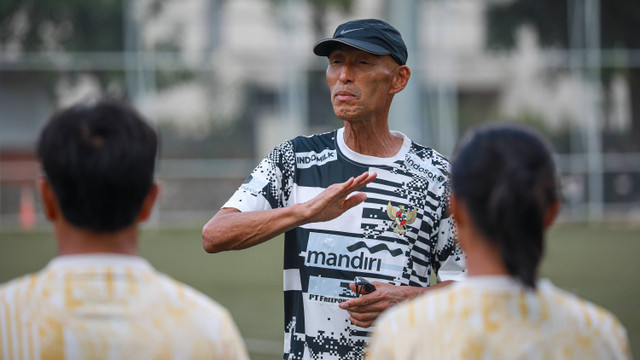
(363, 300)
(345, 186)
(362, 177)
(364, 316)
(376, 307)
(372, 176)
(355, 185)
(354, 200)
(364, 324)
(338, 190)
(336, 199)
(362, 180)
(350, 303)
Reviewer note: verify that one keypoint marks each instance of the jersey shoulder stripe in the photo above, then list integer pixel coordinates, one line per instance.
(316, 142)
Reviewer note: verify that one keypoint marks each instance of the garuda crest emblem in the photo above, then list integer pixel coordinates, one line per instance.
(401, 218)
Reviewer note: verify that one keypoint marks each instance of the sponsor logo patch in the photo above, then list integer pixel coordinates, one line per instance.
(374, 249)
(350, 253)
(326, 299)
(344, 261)
(419, 166)
(308, 159)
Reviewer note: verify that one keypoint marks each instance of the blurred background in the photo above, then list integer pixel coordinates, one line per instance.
(227, 80)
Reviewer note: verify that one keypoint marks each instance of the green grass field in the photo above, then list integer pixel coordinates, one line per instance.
(598, 263)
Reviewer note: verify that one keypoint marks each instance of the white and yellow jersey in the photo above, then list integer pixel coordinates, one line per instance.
(111, 307)
(497, 318)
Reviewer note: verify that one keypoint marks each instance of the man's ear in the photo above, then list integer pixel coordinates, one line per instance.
(400, 79)
(551, 214)
(149, 201)
(456, 210)
(49, 201)
(461, 216)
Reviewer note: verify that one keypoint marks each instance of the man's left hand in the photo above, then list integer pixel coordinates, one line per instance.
(365, 309)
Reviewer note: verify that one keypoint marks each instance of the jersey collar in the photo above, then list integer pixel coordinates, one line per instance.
(372, 160)
(98, 260)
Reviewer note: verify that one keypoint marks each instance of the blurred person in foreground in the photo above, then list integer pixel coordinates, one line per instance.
(392, 233)
(98, 299)
(504, 199)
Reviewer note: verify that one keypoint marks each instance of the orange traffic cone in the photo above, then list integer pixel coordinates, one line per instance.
(27, 208)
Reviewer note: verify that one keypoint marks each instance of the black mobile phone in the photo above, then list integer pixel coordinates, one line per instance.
(363, 286)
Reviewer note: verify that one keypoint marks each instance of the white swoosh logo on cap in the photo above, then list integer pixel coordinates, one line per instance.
(348, 31)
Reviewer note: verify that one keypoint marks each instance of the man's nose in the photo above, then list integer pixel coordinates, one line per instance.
(346, 75)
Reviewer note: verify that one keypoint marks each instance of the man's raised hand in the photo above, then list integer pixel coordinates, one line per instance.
(335, 200)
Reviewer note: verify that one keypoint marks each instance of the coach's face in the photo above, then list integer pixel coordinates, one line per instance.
(362, 84)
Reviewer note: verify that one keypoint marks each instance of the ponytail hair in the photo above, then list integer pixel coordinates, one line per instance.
(505, 176)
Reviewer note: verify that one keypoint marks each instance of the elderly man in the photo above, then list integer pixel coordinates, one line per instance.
(392, 233)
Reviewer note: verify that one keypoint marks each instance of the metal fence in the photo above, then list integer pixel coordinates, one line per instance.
(455, 88)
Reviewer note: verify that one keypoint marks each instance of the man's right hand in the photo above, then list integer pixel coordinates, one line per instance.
(335, 200)
(231, 229)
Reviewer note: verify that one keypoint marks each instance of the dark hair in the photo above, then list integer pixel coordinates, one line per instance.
(505, 175)
(99, 160)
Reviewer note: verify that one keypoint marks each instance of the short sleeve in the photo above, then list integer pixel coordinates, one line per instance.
(270, 183)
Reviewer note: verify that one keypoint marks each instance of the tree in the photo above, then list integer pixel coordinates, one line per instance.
(68, 26)
(319, 11)
(619, 22)
(79, 25)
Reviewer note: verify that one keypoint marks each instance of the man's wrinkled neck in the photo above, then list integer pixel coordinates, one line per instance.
(371, 138)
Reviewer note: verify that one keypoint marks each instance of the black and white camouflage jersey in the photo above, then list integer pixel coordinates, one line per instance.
(397, 235)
